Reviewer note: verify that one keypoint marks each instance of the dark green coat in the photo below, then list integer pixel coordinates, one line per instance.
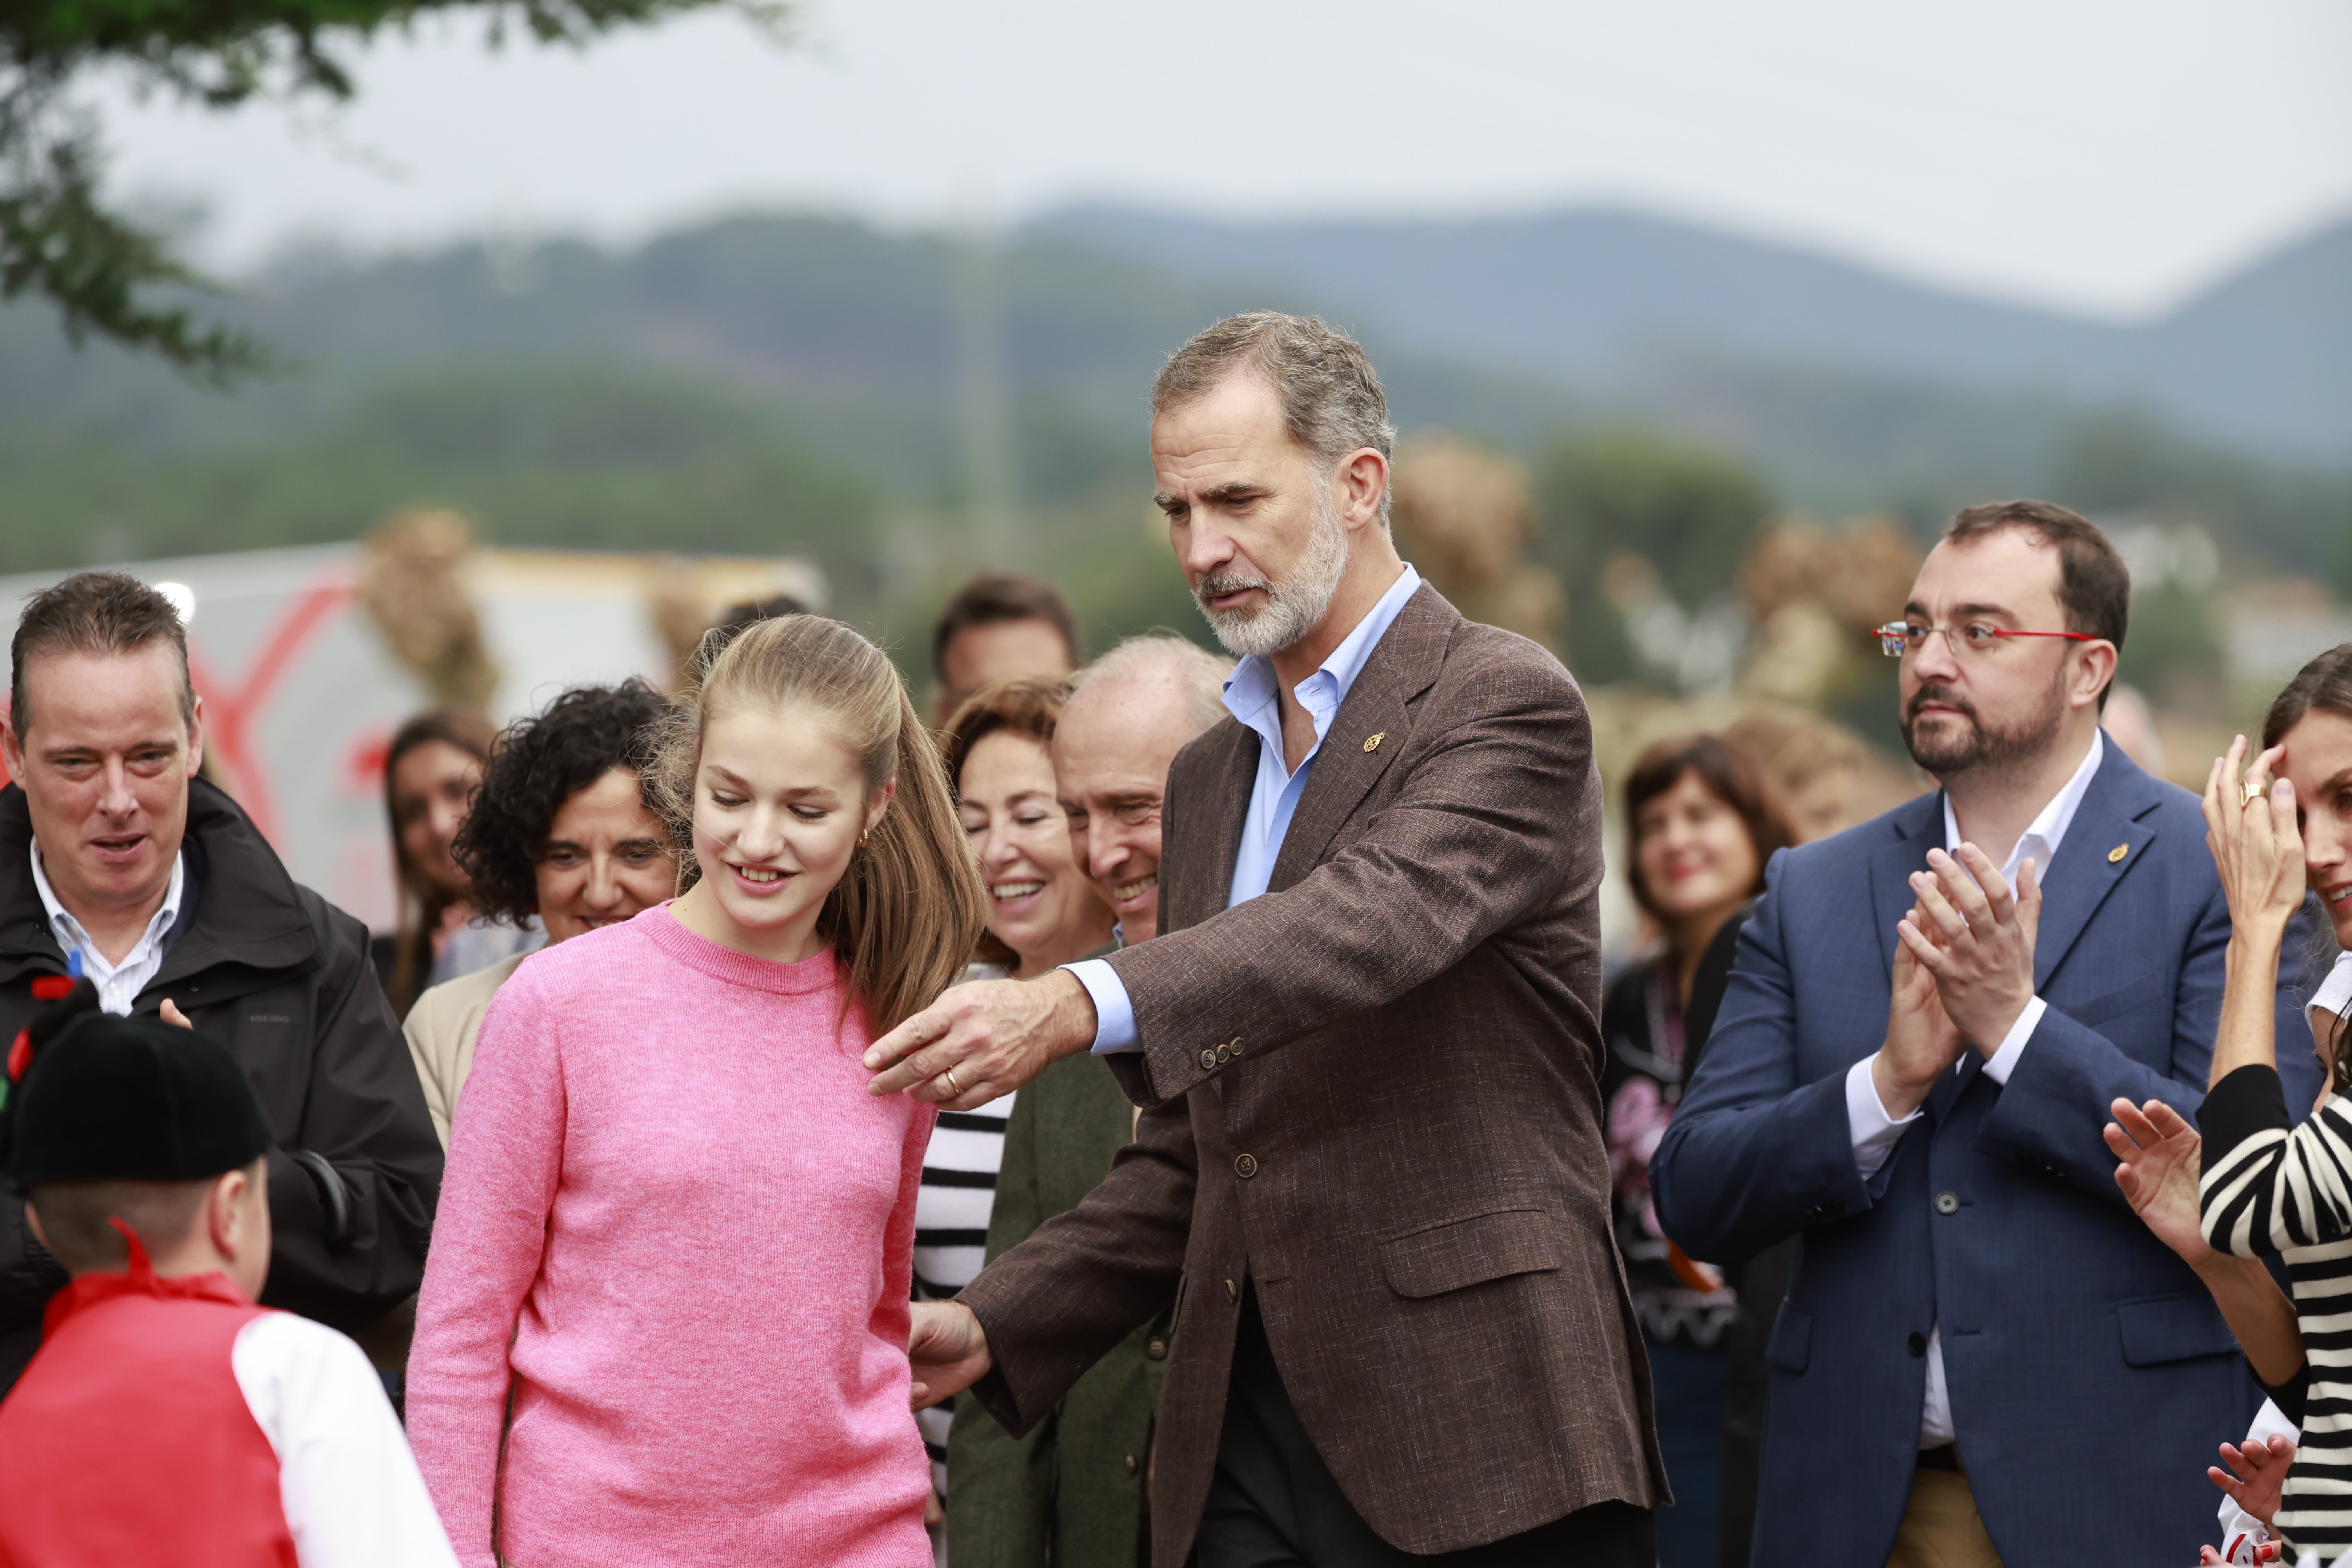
(1073, 1492)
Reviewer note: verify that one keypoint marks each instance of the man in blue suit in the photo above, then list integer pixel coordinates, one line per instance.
(1984, 1357)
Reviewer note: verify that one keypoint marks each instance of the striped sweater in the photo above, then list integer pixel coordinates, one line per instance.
(2269, 1187)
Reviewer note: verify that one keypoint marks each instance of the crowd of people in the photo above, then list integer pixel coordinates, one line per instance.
(1170, 1108)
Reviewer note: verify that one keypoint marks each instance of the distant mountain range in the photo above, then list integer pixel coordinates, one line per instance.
(1605, 298)
(1848, 388)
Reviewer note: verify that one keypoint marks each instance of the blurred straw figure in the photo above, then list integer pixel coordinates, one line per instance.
(411, 581)
(1464, 517)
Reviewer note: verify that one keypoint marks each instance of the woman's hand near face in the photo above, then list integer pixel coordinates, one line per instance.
(2257, 845)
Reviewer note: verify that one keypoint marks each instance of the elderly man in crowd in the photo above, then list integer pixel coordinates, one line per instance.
(114, 854)
(1072, 1491)
(1984, 1358)
(1369, 1180)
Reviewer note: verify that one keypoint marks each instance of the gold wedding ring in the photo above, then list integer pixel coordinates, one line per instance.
(949, 1076)
(2249, 792)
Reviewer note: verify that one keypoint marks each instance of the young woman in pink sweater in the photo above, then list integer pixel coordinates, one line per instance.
(664, 1318)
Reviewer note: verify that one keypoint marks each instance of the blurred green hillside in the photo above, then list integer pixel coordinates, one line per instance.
(903, 407)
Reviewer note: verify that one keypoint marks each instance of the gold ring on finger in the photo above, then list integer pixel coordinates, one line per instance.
(2248, 793)
(957, 1088)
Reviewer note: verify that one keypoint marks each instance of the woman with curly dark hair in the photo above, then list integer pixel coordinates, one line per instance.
(562, 829)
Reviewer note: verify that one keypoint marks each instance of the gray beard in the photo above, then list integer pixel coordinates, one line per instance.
(1294, 605)
(1986, 751)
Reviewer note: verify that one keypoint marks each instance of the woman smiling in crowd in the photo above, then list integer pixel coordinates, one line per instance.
(560, 829)
(667, 1151)
(1701, 831)
(1042, 912)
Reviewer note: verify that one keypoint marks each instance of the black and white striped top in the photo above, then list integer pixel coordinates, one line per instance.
(951, 1214)
(2269, 1187)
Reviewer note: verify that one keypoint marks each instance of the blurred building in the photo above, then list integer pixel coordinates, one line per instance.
(303, 688)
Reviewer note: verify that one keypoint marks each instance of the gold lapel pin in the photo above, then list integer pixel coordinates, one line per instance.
(2117, 853)
(1372, 742)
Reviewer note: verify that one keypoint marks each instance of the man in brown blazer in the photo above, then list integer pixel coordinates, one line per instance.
(1370, 1171)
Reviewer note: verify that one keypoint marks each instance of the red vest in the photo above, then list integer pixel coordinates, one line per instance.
(128, 1443)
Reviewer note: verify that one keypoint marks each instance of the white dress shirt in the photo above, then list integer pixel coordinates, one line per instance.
(1251, 696)
(1875, 1133)
(119, 984)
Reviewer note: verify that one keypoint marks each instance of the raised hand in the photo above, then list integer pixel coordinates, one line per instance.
(948, 1350)
(2263, 1465)
(1922, 1042)
(2257, 842)
(2160, 1153)
(1977, 940)
(983, 1039)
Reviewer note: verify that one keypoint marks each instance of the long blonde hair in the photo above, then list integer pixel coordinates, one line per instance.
(907, 912)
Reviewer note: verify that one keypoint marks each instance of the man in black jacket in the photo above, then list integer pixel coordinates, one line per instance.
(114, 854)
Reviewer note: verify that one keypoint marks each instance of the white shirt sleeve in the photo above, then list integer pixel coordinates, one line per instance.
(2002, 1062)
(1115, 1028)
(1874, 1132)
(350, 1487)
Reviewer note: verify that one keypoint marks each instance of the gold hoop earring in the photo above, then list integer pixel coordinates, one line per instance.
(865, 836)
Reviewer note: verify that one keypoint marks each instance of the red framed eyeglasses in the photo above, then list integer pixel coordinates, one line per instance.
(1896, 638)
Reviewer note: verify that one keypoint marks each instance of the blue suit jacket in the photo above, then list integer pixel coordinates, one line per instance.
(2091, 1375)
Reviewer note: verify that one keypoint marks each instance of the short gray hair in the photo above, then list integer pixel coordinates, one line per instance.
(1332, 396)
(1198, 675)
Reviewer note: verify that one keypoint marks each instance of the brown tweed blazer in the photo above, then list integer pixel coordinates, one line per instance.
(1375, 1090)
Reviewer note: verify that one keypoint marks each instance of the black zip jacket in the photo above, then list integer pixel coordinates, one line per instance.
(281, 978)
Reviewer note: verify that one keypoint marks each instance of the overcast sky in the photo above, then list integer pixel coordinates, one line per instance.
(2104, 155)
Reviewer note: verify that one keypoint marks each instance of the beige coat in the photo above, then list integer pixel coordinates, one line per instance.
(441, 1030)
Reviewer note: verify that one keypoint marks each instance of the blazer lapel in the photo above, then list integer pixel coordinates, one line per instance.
(2086, 867)
(1197, 874)
(1403, 666)
(1921, 824)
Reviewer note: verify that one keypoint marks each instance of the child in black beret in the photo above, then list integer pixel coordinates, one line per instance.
(167, 1417)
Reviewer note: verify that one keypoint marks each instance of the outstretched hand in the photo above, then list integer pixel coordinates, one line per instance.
(983, 1039)
(2159, 1155)
(2262, 1464)
(948, 1350)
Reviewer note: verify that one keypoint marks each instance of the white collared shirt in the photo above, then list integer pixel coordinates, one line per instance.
(1251, 698)
(119, 984)
(1875, 1133)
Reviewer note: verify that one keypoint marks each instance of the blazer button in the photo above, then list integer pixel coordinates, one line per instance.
(1246, 1166)
(1208, 1061)
(1236, 1043)
(1224, 1053)
(1231, 1293)
(1918, 1345)
(1132, 1465)
(1155, 1349)
(1948, 1203)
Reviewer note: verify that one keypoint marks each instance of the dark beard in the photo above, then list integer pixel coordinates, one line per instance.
(1981, 750)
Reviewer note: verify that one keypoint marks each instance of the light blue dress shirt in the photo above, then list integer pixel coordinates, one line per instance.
(1250, 697)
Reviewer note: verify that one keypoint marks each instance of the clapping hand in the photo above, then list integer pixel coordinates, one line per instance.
(1977, 940)
(2159, 1155)
(2256, 842)
(2263, 1464)
(1922, 1043)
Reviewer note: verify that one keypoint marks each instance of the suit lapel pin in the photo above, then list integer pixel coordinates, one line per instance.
(1372, 742)
(2117, 853)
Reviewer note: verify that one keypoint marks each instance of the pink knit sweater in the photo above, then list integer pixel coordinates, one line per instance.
(669, 1189)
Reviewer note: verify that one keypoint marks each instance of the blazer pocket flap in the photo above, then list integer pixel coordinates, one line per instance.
(1442, 1257)
(2173, 1327)
(1791, 1346)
